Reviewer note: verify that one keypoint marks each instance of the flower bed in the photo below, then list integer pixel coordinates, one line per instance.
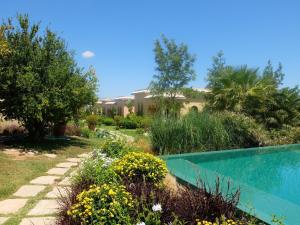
(119, 186)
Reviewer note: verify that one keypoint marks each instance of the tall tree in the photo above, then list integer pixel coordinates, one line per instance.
(174, 71)
(4, 48)
(244, 90)
(40, 83)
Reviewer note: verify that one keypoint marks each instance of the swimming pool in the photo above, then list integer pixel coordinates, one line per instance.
(268, 177)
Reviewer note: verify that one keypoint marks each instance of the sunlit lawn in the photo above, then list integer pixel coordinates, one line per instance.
(16, 171)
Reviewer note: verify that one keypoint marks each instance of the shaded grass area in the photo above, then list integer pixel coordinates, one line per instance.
(15, 172)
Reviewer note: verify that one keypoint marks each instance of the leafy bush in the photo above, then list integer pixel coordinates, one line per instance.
(108, 121)
(128, 123)
(138, 167)
(146, 122)
(105, 204)
(85, 132)
(117, 120)
(114, 148)
(92, 121)
(95, 170)
(243, 131)
(286, 135)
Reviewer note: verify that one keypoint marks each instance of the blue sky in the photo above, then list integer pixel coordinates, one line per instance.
(121, 34)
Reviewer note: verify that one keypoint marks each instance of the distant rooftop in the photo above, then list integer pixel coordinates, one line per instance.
(124, 97)
(141, 91)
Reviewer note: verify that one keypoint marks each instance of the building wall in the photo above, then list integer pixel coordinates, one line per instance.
(122, 109)
(148, 104)
(188, 104)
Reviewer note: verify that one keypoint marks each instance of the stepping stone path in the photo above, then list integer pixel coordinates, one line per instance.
(44, 210)
(58, 192)
(44, 207)
(45, 180)
(38, 221)
(74, 160)
(57, 171)
(3, 220)
(29, 190)
(11, 205)
(66, 164)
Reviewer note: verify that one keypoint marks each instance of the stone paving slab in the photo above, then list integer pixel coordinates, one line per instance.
(11, 205)
(76, 160)
(38, 221)
(50, 155)
(66, 164)
(44, 207)
(45, 180)
(65, 182)
(84, 155)
(29, 190)
(58, 192)
(57, 171)
(3, 220)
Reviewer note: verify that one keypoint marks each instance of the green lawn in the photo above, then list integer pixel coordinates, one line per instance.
(16, 171)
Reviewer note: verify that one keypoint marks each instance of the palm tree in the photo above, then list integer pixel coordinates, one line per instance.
(236, 89)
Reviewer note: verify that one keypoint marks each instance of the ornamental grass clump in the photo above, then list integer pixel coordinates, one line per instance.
(140, 167)
(105, 204)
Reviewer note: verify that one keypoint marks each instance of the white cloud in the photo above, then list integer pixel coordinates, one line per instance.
(88, 54)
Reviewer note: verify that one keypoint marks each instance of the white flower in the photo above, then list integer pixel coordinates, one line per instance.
(141, 223)
(156, 207)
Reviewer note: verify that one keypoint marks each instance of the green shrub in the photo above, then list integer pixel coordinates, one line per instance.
(92, 121)
(95, 171)
(128, 123)
(108, 121)
(206, 131)
(114, 148)
(145, 122)
(139, 167)
(243, 131)
(105, 204)
(286, 135)
(85, 132)
(117, 120)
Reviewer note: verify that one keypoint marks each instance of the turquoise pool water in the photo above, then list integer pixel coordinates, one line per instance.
(269, 178)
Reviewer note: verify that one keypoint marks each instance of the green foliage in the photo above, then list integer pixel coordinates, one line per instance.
(108, 121)
(114, 148)
(117, 120)
(174, 71)
(85, 132)
(105, 204)
(94, 171)
(285, 135)
(206, 131)
(40, 82)
(243, 131)
(244, 90)
(190, 93)
(140, 167)
(128, 123)
(92, 121)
